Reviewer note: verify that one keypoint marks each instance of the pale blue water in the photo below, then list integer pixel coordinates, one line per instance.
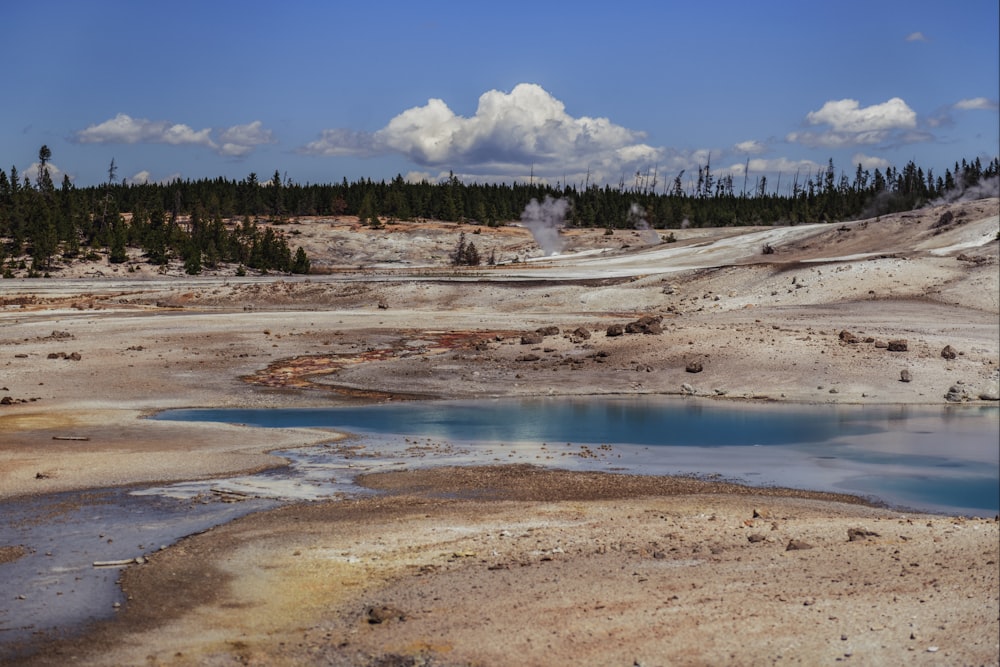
(933, 459)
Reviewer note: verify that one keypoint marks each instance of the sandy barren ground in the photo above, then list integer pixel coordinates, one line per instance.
(82, 358)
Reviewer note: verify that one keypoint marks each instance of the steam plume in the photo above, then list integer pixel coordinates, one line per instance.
(637, 218)
(544, 220)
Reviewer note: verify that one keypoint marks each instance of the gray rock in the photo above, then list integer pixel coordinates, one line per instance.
(904, 376)
(898, 345)
(694, 366)
(957, 393)
(948, 352)
(798, 545)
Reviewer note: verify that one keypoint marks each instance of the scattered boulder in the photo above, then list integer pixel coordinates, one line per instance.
(547, 331)
(74, 356)
(580, 333)
(958, 393)
(615, 330)
(531, 339)
(648, 324)
(990, 394)
(847, 337)
(755, 538)
(798, 545)
(904, 376)
(881, 344)
(6, 400)
(694, 366)
(948, 352)
(687, 389)
(855, 534)
(897, 345)
(528, 357)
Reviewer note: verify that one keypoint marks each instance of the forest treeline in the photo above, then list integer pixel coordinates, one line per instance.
(211, 221)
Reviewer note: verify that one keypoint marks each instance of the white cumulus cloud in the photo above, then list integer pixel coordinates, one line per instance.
(869, 162)
(976, 103)
(236, 141)
(55, 173)
(850, 124)
(751, 147)
(509, 133)
(239, 140)
(916, 37)
(123, 129)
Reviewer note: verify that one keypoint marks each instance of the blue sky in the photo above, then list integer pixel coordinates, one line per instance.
(322, 91)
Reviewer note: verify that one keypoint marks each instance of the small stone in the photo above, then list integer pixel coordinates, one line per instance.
(694, 366)
(932, 649)
(798, 545)
(383, 614)
(948, 352)
(898, 345)
(855, 534)
(904, 376)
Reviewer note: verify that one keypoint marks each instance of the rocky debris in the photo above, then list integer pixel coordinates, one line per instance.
(615, 330)
(948, 352)
(383, 614)
(897, 345)
(761, 513)
(547, 331)
(855, 534)
(755, 538)
(881, 344)
(580, 333)
(72, 356)
(10, 400)
(904, 376)
(694, 366)
(798, 545)
(600, 357)
(847, 337)
(531, 339)
(382, 305)
(946, 219)
(528, 357)
(648, 324)
(974, 259)
(958, 393)
(687, 389)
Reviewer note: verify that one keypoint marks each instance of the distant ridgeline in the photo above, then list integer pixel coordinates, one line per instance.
(210, 222)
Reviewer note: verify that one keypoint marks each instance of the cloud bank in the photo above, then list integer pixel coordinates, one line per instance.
(236, 141)
(509, 134)
(850, 124)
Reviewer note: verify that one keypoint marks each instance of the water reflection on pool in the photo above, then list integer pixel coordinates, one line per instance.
(936, 459)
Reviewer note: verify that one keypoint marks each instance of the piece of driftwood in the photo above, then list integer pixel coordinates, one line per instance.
(113, 563)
